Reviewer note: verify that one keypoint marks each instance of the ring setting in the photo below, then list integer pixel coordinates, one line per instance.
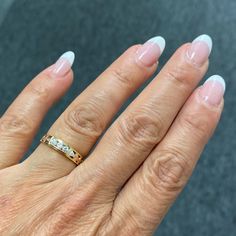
(63, 148)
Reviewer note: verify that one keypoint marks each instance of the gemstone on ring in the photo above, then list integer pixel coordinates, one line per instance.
(63, 148)
(53, 142)
(71, 153)
(59, 144)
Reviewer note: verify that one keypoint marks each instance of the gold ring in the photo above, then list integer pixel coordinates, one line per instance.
(63, 148)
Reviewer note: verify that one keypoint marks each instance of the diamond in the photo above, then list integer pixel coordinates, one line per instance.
(71, 153)
(59, 144)
(65, 148)
(53, 142)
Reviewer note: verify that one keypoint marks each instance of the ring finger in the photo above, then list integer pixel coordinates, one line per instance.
(87, 117)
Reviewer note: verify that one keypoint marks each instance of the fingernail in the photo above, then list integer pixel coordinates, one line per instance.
(200, 49)
(64, 64)
(149, 52)
(213, 90)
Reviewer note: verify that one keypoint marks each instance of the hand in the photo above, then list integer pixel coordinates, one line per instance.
(137, 169)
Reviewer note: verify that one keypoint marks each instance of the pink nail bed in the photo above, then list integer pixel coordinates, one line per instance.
(213, 90)
(200, 50)
(63, 64)
(149, 53)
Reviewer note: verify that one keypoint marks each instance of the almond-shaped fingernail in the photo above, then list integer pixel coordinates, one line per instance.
(63, 64)
(149, 53)
(213, 90)
(200, 50)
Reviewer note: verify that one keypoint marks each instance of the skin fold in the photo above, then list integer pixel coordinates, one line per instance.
(126, 185)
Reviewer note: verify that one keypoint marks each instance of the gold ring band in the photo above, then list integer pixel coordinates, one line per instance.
(63, 148)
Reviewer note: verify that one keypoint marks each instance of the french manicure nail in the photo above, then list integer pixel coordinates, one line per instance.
(149, 53)
(200, 49)
(213, 90)
(63, 64)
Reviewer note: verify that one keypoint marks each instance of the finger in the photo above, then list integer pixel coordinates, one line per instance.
(165, 172)
(87, 117)
(20, 122)
(135, 133)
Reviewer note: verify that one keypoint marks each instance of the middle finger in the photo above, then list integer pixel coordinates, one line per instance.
(145, 122)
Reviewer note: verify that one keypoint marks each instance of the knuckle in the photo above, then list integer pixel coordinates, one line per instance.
(168, 171)
(196, 123)
(181, 75)
(128, 72)
(140, 129)
(127, 219)
(17, 125)
(71, 203)
(86, 119)
(123, 76)
(39, 91)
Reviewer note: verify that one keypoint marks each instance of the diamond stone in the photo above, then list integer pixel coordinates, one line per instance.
(65, 148)
(59, 144)
(53, 141)
(71, 153)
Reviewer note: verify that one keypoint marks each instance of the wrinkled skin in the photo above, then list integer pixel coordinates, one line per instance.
(131, 178)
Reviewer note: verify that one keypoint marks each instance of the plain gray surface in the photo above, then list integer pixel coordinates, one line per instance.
(34, 33)
(4, 7)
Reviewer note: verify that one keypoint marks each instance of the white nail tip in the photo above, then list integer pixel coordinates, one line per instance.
(218, 79)
(160, 41)
(69, 56)
(205, 38)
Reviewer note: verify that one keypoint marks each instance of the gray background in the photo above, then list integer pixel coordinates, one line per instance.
(34, 33)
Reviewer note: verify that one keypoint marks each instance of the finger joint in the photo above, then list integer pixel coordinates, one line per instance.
(141, 130)
(16, 125)
(38, 90)
(168, 171)
(181, 75)
(86, 119)
(196, 124)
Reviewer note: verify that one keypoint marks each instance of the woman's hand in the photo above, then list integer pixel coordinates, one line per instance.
(137, 169)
